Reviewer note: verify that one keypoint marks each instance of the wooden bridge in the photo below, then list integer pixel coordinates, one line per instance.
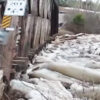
(26, 34)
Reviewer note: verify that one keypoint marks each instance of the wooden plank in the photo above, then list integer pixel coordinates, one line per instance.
(34, 7)
(46, 9)
(34, 18)
(41, 8)
(54, 17)
(37, 32)
(49, 9)
(2, 4)
(42, 35)
(18, 60)
(0, 15)
(22, 25)
(46, 30)
(21, 58)
(49, 28)
(27, 36)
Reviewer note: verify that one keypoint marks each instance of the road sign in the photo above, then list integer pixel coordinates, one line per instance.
(6, 21)
(15, 7)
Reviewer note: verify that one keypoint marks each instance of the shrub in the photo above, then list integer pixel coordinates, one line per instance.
(79, 19)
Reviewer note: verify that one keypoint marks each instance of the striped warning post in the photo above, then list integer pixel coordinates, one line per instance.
(6, 21)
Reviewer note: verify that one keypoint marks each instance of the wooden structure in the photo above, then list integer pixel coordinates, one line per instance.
(30, 32)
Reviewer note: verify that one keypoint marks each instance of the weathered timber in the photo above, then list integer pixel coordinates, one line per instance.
(2, 85)
(27, 36)
(9, 50)
(0, 14)
(41, 8)
(2, 4)
(46, 21)
(54, 17)
(21, 58)
(47, 9)
(34, 7)
(43, 32)
(19, 65)
(35, 30)
(22, 25)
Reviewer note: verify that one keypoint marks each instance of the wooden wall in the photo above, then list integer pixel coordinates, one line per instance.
(40, 23)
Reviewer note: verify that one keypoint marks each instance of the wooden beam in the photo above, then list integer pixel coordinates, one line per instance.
(9, 50)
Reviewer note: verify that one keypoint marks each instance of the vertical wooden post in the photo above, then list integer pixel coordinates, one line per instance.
(54, 17)
(9, 50)
(27, 35)
(0, 15)
(45, 13)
